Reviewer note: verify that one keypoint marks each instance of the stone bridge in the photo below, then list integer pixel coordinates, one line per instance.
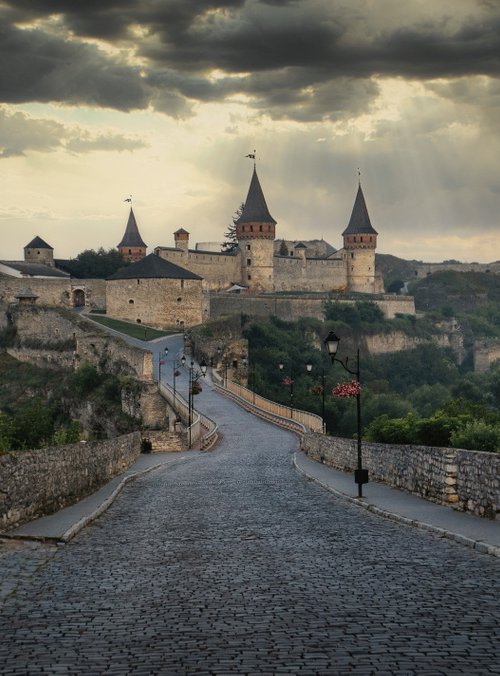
(232, 563)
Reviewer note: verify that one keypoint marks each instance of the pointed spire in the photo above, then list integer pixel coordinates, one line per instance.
(131, 237)
(255, 209)
(359, 222)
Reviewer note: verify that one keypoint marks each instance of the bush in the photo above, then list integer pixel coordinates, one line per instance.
(477, 435)
(85, 379)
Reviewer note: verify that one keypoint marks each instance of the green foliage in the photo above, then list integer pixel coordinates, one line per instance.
(66, 435)
(32, 424)
(8, 336)
(6, 433)
(427, 398)
(283, 250)
(231, 241)
(85, 379)
(354, 314)
(91, 264)
(477, 435)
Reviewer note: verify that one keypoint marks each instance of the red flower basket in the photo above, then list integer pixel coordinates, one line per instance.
(287, 381)
(351, 389)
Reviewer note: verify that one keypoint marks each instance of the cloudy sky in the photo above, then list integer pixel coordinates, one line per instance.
(162, 99)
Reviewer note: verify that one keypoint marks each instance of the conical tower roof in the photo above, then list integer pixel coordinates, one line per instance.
(38, 243)
(255, 210)
(360, 220)
(131, 236)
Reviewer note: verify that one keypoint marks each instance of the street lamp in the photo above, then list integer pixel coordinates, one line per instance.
(309, 368)
(332, 345)
(193, 378)
(288, 380)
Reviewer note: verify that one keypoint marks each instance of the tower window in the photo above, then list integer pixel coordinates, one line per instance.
(249, 261)
(131, 302)
(182, 283)
(260, 228)
(248, 247)
(249, 276)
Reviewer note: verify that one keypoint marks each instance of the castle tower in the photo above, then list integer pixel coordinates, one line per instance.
(132, 248)
(38, 251)
(181, 239)
(255, 231)
(360, 241)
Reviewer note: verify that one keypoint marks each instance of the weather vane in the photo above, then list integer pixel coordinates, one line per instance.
(128, 199)
(252, 156)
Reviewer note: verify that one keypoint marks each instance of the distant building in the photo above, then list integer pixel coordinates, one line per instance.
(260, 263)
(155, 292)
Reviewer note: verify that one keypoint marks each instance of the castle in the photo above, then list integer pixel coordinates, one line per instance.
(261, 263)
(181, 287)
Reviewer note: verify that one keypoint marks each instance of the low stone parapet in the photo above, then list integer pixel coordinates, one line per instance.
(40, 482)
(467, 480)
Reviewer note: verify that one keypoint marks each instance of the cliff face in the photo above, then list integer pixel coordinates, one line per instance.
(396, 341)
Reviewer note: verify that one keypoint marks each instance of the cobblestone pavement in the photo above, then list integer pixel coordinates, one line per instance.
(235, 564)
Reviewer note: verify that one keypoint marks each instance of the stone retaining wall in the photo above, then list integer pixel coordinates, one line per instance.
(39, 482)
(468, 480)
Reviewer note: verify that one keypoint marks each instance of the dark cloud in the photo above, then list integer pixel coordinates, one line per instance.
(297, 59)
(35, 66)
(20, 134)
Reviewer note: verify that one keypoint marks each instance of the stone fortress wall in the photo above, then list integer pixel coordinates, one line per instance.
(219, 270)
(51, 337)
(293, 308)
(425, 269)
(162, 303)
(56, 292)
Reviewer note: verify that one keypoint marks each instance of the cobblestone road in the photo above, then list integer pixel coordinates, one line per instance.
(234, 564)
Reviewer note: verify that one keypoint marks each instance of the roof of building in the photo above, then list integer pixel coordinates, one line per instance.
(300, 245)
(38, 243)
(131, 236)
(359, 222)
(34, 269)
(153, 267)
(255, 209)
(181, 231)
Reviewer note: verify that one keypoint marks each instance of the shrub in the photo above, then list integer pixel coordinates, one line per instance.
(477, 435)
(85, 379)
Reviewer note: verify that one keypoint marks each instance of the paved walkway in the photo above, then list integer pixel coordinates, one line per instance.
(230, 562)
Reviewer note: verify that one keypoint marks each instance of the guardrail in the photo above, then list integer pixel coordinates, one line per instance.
(294, 419)
(203, 431)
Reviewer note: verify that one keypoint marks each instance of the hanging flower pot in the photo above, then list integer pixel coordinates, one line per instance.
(351, 389)
(287, 381)
(196, 388)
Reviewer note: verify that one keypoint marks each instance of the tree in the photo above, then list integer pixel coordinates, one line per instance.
(283, 248)
(231, 241)
(91, 264)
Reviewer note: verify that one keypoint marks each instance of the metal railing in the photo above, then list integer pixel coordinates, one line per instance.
(196, 433)
(299, 421)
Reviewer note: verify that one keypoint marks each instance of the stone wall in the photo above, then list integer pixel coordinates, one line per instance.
(219, 270)
(294, 273)
(36, 483)
(58, 292)
(468, 480)
(486, 352)
(56, 338)
(163, 303)
(293, 308)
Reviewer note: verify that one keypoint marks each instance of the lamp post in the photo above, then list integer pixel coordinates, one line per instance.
(309, 368)
(332, 345)
(281, 366)
(193, 378)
